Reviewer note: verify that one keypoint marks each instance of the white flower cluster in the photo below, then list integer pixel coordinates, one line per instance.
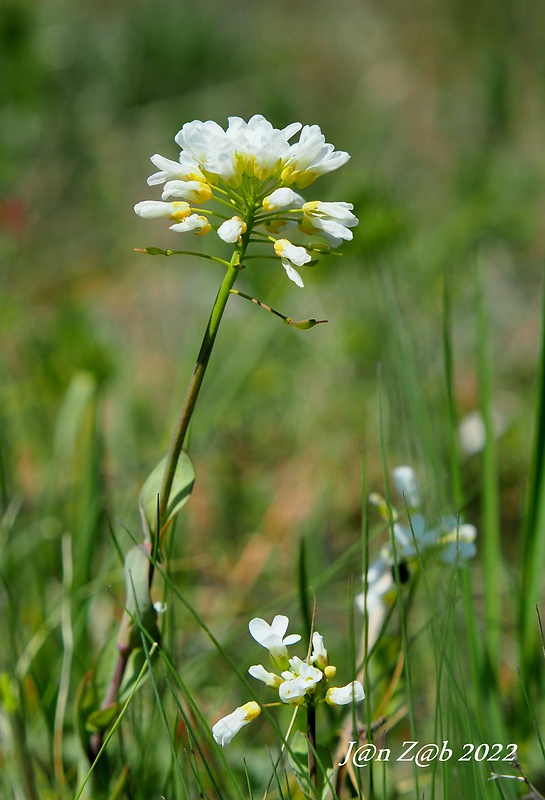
(451, 541)
(299, 683)
(251, 168)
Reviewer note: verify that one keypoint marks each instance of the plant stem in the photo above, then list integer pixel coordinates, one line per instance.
(176, 446)
(311, 732)
(195, 383)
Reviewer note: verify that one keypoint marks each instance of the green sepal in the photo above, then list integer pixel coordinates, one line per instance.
(182, 485)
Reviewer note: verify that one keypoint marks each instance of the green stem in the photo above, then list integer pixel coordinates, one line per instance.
(311, 731)
(196, 380)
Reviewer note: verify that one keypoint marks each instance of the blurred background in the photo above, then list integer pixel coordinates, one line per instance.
(441, 105)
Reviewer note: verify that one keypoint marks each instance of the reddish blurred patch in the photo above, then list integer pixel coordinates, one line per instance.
(13, 215)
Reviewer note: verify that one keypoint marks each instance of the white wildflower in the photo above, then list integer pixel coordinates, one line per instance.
(152, 209)
(227, 727)
(291, 255)
(406, 485)
(273, 636)
(259, 672)
(232, 229)
(333, 219)
(343, 695)
(195, 223)
(195, 191)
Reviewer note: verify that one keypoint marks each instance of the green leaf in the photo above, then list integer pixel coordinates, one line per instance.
(182, 485)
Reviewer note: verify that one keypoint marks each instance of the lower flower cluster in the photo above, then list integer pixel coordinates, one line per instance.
(299, 682)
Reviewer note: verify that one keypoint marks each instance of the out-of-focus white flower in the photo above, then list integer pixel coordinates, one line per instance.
(195, 223)
(319, 653)
(456, 541)
(414, 538)
(380, 587)
(232, 229)
(194, 191)
(159, 607)
(292, 255)
(273, 636)
(152, 209)
(343, 695)
(334, 219)
(406, 485)
(259, 672)
(227, 727)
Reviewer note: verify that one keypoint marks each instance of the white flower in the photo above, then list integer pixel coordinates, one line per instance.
(260, 149)
(273, 636)
(151, 209)
(319, 653)
(232, 229)
(227, 727)
(341, 696)
(283, 198)
(252, 167)
(207, 144)
(299, 680)
(311, 157)
(184, 170)
(196, 223)
(291, 255)
(195, 191)
(293, 691)
(457, 541)
(334, 219)
(380, 586)
(407, 545)
(259, 672)
(406, 485)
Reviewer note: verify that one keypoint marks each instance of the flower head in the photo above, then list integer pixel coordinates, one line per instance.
(227, 727)
(252, 167)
